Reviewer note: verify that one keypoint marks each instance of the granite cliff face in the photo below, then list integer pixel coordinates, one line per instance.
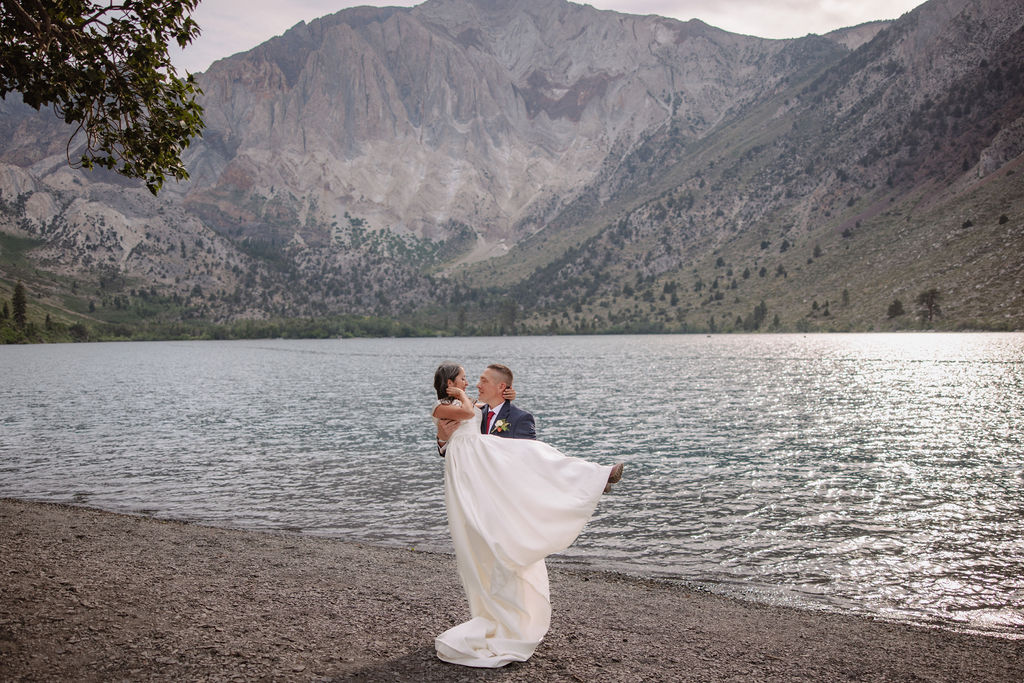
(348, 161)
(492, 115)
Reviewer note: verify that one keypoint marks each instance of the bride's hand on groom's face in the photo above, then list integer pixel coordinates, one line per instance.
(509, 394)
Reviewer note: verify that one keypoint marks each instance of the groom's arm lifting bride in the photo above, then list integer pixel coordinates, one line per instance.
(500, 417)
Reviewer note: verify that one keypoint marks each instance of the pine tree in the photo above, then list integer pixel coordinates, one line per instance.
(928, 302)
(895, 309)
(20, 306)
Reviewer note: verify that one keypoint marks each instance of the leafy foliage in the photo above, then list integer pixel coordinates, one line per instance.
(105, 67)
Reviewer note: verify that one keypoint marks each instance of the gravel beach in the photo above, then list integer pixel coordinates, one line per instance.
(87, 595)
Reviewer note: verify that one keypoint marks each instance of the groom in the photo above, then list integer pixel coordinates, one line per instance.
(500, 417)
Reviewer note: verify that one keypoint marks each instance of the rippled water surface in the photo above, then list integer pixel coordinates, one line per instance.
(878, 474)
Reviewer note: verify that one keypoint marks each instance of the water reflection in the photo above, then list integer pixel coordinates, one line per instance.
(874, 473)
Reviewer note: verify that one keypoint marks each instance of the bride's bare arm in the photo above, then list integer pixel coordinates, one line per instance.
(451, 411)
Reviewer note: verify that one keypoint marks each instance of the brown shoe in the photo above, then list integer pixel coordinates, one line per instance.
(614, 477)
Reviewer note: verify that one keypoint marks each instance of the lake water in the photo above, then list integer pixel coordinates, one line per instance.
(876, 474)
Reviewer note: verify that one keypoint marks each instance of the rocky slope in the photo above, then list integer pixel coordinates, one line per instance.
(356, 163)
(888, 173)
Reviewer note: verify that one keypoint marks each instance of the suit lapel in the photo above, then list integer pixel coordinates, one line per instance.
(506, 408)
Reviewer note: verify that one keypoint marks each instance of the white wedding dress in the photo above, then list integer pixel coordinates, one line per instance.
(511, 503)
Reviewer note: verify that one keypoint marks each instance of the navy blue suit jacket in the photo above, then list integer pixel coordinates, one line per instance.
(521, 424)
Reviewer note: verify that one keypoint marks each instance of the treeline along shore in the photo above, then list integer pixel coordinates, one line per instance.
(93, 595)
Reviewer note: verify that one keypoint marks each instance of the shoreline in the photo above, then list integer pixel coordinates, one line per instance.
(94, 595)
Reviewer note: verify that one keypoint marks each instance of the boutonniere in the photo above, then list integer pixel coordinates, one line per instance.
(501, 425)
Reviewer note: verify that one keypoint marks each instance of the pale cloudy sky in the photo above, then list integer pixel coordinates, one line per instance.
(231, 26)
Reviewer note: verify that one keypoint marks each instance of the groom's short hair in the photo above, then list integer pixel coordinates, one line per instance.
(503, 372)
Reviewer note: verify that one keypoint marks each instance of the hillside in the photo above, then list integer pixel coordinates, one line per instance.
(542, 166)
(828, 202)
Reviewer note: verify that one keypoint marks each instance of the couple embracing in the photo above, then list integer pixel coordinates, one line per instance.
(511, 502)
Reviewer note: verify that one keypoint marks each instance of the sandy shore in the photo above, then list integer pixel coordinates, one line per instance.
(89, 595)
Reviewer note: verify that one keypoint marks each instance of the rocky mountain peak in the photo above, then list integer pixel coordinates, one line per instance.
(487, 114)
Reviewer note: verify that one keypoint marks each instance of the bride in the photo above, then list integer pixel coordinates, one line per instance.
(511, 502)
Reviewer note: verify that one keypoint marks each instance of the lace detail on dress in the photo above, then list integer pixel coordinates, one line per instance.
(452, 402)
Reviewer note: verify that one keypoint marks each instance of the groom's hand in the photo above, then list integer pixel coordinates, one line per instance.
(445, 428)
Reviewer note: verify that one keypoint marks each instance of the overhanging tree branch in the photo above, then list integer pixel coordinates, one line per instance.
(105, 67)
(21, 16)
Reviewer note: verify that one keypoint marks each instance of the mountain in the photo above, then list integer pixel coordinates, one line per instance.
(891, 172)
(540, 165)
(457, 112)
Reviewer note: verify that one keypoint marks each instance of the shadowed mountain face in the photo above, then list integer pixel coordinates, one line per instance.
(348, 158)
(893, 170)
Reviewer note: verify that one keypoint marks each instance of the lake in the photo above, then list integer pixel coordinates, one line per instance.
(878, 474)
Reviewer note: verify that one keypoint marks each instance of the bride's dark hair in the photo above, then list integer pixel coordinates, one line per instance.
(445, 372)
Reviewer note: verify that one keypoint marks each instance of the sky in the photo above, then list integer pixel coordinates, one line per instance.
(230, 26)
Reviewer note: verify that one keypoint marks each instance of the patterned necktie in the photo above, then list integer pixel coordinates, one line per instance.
(490, 416)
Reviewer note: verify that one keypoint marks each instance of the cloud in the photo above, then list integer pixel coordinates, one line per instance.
(229, 26)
